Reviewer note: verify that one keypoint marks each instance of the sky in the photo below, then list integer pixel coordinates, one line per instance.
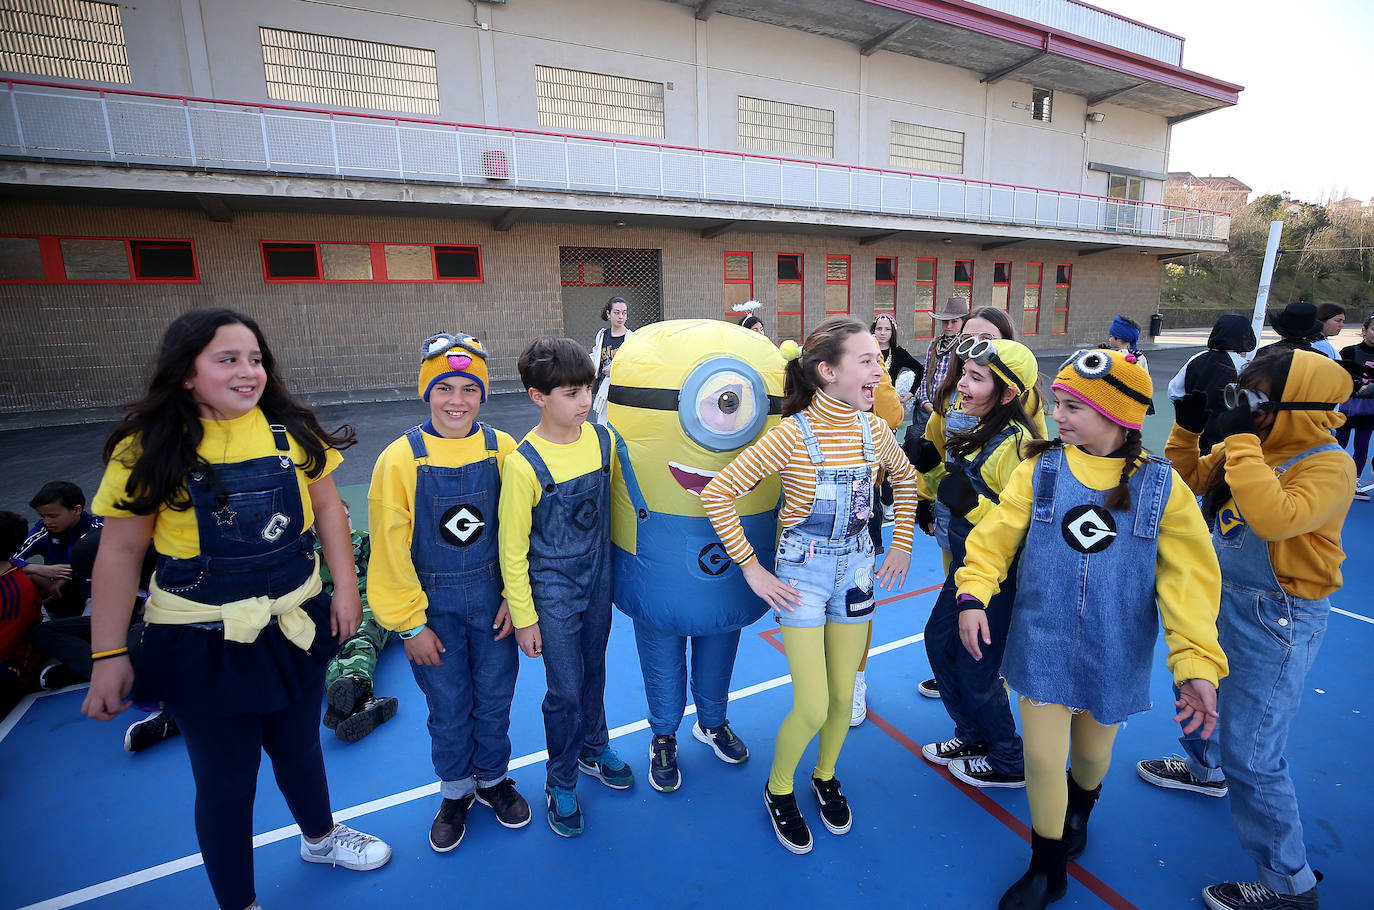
(1304, 122)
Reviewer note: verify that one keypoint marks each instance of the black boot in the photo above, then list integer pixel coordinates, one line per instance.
(1044, 882)
(1081, 804)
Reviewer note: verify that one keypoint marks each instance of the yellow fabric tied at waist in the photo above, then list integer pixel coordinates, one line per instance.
(243, 619)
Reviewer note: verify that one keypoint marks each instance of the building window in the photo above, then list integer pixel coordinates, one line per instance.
(1124, 191)
(1062, 275)
(1042, 99)
(925, 148)
(1030, 313)
(597, 103)
(371, 262)
(60, 260)
(836, 285)
(963, 280)
(885, 285)
(786, 129)
(70, 39)
(791, 323)
(1001, 285)
(923, 325)
(348, 72)
(739, 282)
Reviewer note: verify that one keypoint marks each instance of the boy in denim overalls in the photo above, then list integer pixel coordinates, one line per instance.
(556, 559)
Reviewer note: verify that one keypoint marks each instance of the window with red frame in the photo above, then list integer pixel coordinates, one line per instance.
(963, 280)
(1030, 313)
(1063, 274)
(43, 259)
(836, 285)
(924, 323)
(791, 322)
(345, 261)
(885, 285)
(1001, 285)
(739, 283)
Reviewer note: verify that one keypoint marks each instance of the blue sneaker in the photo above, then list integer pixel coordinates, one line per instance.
(565, 815)
(723, 741)
(663, 773)
(609, 769)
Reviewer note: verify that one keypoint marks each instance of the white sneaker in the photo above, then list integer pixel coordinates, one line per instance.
(348, 848)
(860, 711)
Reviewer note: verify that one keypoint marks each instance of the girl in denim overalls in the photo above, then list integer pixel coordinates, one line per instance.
(827, 455)
(1106, 533)
(237, 630)
(1279, 489)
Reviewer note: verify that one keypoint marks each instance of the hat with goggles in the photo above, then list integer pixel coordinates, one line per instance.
(1011, 361)
(1112, 383)
(446, 356)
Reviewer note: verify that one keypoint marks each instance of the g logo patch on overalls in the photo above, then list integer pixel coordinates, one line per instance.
(1230, 522)
(713, 560)
(275, 527)
(1089, 528)
(461, 525)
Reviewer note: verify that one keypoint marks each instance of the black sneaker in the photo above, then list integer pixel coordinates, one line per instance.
(1254, 896)
(663, 773)
(947, 751)
(979, 772)
(342, 698)
(150, 731)
(370, 715)
(1173, 774)
(835, 814)
(788, 823)
(929, 688)
(59, 676)
(450, 823)
(510, 807)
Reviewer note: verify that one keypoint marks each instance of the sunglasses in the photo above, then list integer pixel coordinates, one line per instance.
(1253, 400)
(443, 342)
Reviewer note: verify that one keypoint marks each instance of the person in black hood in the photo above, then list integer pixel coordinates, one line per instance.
(1297, 326)
(1208, 372)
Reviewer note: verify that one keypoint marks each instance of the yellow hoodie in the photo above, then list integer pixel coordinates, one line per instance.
(1301, 511)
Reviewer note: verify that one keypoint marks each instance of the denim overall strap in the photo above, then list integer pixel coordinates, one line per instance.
(973, 469)
(1320, 447)
(416, 437)
(1045, 482)
(813, 447)
(843, 501)
(454, 538)
(627, 472)
(1155, 487)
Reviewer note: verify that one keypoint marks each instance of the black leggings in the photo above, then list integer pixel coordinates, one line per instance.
(225, 754)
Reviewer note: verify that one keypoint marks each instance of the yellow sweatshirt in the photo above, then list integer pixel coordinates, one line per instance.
(393, 589)
(996, 470)
(520, 493)
(1301, 512)
(1187, 579)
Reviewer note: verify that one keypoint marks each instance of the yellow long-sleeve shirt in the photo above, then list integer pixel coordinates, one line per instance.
(393, 588)
(781, 451)
(1187, 579)
(996, 471)
(520, 493)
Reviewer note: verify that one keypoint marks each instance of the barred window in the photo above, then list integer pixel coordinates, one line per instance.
(597, 103)
(786, 129)
(347, 72)
(70, 39)
(926, 148)
(1042, 101)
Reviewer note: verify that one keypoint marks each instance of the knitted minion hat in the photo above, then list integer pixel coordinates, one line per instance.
(1109, 382)
(446, 356)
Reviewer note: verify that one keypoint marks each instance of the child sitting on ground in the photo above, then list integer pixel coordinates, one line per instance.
(19, 662)
(62, 521)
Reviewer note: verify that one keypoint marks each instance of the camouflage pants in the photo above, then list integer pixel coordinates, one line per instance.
(358, 656)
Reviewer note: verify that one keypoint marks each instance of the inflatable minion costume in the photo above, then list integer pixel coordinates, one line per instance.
(687, 396)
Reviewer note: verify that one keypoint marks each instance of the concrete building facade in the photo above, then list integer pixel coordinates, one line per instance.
(357, 176)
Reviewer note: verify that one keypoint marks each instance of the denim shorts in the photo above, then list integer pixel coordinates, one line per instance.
(835, 580)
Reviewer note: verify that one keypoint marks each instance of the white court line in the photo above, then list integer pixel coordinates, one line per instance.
(153, 873)
(1353, 615)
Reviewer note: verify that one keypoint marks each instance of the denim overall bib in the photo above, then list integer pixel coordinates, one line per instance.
(570, 578)
(1270, 638)
(454, 550)
(1083, 630)
(829, 556)
(253, 542)
(956, 421)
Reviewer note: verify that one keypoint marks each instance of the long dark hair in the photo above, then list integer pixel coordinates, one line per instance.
(1271, 368)
(993, 422)
(1119, 499)
(164, 424)
(992, 314)
(825, 344)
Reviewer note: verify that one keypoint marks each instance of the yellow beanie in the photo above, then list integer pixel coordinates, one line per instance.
(453, 355)
(1110, 382)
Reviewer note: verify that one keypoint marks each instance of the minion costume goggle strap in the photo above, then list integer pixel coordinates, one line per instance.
(983, 352)
(1091, 363)
(1258, 403)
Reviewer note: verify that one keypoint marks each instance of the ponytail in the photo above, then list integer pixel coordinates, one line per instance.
(825, 344)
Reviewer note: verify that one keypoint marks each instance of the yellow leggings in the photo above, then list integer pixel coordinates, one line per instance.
(1052, 735)
(822, 662)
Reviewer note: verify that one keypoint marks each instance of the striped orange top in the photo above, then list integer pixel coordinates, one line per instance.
(781, 451)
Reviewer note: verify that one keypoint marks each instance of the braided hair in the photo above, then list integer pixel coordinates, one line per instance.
(1133, 450)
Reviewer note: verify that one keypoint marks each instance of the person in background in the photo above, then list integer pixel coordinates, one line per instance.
(608, 341)
(1359, 408)
(1124, 336)
(19, 661)
(1297, 327)
(750, 319)
(1212, 370)
(62, 521)
(938, 356)
(1332, 319)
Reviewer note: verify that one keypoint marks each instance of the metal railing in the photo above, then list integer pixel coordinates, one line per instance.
(43, 120)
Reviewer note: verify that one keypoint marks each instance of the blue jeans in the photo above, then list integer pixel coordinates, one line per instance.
(835, 580)
(663, 660)
(575, 706)
(469, 694)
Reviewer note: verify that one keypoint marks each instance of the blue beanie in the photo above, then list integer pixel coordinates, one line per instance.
(1124, 330)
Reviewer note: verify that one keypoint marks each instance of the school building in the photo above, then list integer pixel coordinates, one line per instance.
(357, 175)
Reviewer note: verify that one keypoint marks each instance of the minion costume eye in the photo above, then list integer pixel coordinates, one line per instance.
(1090, 364)
(723, 404)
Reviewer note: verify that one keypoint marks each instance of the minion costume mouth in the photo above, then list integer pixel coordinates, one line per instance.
(693, 480)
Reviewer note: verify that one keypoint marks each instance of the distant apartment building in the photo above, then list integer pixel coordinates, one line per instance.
(358, 175)
(1226, 194)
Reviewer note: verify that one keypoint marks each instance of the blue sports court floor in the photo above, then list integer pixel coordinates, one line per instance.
(92, 825)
